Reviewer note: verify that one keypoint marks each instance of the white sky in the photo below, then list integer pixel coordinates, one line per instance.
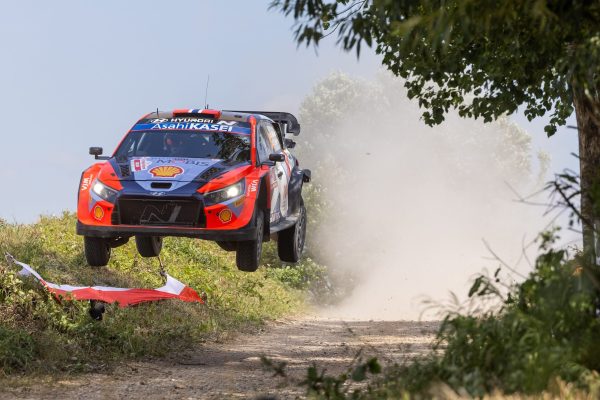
(78, 73)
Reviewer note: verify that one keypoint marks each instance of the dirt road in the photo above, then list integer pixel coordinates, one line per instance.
(234, 369)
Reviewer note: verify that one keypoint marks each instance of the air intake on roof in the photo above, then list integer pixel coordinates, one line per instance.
(197, 112)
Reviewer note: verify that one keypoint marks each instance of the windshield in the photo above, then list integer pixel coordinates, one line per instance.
(185, 144)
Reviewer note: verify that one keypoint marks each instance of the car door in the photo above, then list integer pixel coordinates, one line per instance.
(264, 148)
(282, 169)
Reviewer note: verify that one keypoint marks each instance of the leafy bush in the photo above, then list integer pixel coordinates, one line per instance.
(546, 329)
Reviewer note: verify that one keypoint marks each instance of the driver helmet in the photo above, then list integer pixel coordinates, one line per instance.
(174, 144)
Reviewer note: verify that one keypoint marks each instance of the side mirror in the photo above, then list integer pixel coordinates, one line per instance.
(97, 152)
(276, 157)
(289, 143)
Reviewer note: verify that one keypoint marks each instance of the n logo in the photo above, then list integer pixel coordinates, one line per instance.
(166, 214)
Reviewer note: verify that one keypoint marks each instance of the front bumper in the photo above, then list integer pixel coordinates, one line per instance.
(246, 233)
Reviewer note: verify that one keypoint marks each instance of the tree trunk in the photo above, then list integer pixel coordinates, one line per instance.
(588, 127)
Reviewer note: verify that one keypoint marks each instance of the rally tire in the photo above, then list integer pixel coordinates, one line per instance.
(148, 246)
(97, 251)
(290, 241)
(248, 252)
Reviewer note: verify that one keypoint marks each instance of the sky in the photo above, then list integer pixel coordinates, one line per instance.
(77, 73)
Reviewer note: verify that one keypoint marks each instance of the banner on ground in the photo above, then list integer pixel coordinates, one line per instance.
(173, 289)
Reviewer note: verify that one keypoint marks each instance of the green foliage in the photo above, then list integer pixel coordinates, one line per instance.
(301, 276)
(38, 333)
(546, 329)
(484, 58)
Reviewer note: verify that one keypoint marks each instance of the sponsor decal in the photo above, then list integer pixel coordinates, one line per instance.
(239, 202)
(86, 182)
(98, 213)
(225, 215)
(253, 186)
(186, 124)
(192, 126)
(191, 120)
(140, 164)
(275, 216)
(187, 161)
(166, 171)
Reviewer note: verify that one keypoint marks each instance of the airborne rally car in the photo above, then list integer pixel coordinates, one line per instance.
(225, 176)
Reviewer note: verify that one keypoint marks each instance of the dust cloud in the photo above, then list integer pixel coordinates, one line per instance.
(403, 207)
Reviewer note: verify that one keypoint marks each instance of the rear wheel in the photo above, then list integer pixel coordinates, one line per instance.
(97, 251)
(249, 251)
(290, 242)
(148, 246)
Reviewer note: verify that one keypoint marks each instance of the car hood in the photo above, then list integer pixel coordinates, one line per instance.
(170, 169)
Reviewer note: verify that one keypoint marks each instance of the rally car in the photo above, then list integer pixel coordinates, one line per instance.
(225, 176)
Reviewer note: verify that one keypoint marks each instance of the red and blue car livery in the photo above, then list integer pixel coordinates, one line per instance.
(226, 176)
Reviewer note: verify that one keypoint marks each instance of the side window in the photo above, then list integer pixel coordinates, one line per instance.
(142, 144)
(263, 147)
(128, 147)
(279, 133)
(274, 138)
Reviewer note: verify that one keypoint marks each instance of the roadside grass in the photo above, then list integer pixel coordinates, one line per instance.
(40, 335)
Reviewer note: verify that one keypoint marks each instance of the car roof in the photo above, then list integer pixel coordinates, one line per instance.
(282, 118)
(223, 115)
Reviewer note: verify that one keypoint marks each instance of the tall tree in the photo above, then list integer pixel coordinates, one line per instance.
(484, 58)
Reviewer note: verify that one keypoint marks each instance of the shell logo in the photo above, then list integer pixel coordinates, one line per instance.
(225, 215)
(98, 213)
(166, 171)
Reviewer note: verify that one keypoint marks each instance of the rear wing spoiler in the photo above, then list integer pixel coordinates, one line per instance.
(289, 123)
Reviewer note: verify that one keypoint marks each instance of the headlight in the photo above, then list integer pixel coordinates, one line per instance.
(104, 191)
(228, 193)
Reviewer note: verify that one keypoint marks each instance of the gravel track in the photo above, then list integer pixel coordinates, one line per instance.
(233, 369)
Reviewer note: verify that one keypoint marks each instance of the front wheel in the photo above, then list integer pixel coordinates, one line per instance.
(249, 251)
(148, 246)
(290, 241)
(97, 251)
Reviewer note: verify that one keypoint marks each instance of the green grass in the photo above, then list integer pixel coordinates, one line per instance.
(40, 335)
